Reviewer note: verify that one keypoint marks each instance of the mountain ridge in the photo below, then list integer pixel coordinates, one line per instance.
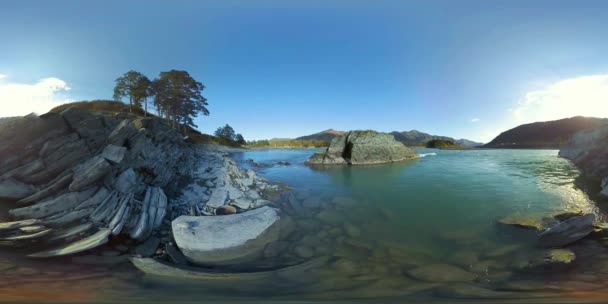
(545, 134)
(409, 138)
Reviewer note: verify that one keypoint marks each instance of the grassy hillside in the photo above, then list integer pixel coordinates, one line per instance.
(443, 144)
(417, 138)
(112, 106)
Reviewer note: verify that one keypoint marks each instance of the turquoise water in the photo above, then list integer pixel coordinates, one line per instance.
(367, 231)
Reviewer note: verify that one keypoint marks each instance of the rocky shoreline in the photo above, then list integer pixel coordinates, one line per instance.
(78, 179)
(588, 151)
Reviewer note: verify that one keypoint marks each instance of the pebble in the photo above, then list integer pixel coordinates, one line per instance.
(225, 210)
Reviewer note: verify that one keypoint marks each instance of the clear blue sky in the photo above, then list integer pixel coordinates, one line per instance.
(291, 68)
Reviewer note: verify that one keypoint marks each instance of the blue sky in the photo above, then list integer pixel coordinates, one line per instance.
(288, 68)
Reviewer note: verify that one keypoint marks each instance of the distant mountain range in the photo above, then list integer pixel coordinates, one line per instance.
(469, 143)
(547, 134)
(409, 138)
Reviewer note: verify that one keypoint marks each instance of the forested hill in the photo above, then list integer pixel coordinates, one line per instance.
(408, 138)
(323, 135)
(417, 138)
(548, 134)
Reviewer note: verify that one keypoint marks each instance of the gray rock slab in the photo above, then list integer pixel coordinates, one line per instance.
(15, 190)
(567, 232)
(229, 239)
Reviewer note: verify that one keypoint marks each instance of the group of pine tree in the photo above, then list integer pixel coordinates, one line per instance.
(176, 96)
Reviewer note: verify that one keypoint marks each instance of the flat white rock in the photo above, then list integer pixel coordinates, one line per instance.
(228, 239)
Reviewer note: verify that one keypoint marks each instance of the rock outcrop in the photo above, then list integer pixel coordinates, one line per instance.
(228, 239)
(588, 150)
(80, 177)
(76, 179)
(363, 147)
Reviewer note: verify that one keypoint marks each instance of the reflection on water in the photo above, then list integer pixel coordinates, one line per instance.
(420, 230)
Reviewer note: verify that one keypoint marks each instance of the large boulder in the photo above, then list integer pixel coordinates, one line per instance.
(228, 239)
(568, 231)
(363, 147)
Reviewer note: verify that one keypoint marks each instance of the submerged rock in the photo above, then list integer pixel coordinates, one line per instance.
(363, 147)
(537, 221)
(469, 291)
(441, 273)
(568, 231)
(148, 248)
(224, 240)
(92, 241)
(552, 258)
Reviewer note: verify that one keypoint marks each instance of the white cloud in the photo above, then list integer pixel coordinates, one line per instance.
(585, 95)
(475, 120)
(17, 99)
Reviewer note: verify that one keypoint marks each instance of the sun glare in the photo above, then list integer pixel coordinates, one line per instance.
(585, 96)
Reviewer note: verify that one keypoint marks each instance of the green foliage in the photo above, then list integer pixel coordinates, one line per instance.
(177, 96)
(443, 144)
(133, 85)
(288, 143)
(226, 132)
(240, 139)
(364, 132)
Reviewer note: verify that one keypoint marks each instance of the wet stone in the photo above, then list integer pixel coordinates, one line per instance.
(225, 210)
(275, 249)
(469, 291)
(148, 248)
(175, 255)
(441, 273)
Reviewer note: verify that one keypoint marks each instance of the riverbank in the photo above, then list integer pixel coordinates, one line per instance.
(198, 218)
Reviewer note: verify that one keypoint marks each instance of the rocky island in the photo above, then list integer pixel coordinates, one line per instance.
(361, 148)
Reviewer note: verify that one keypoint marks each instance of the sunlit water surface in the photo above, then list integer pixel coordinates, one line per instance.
(369, 227)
